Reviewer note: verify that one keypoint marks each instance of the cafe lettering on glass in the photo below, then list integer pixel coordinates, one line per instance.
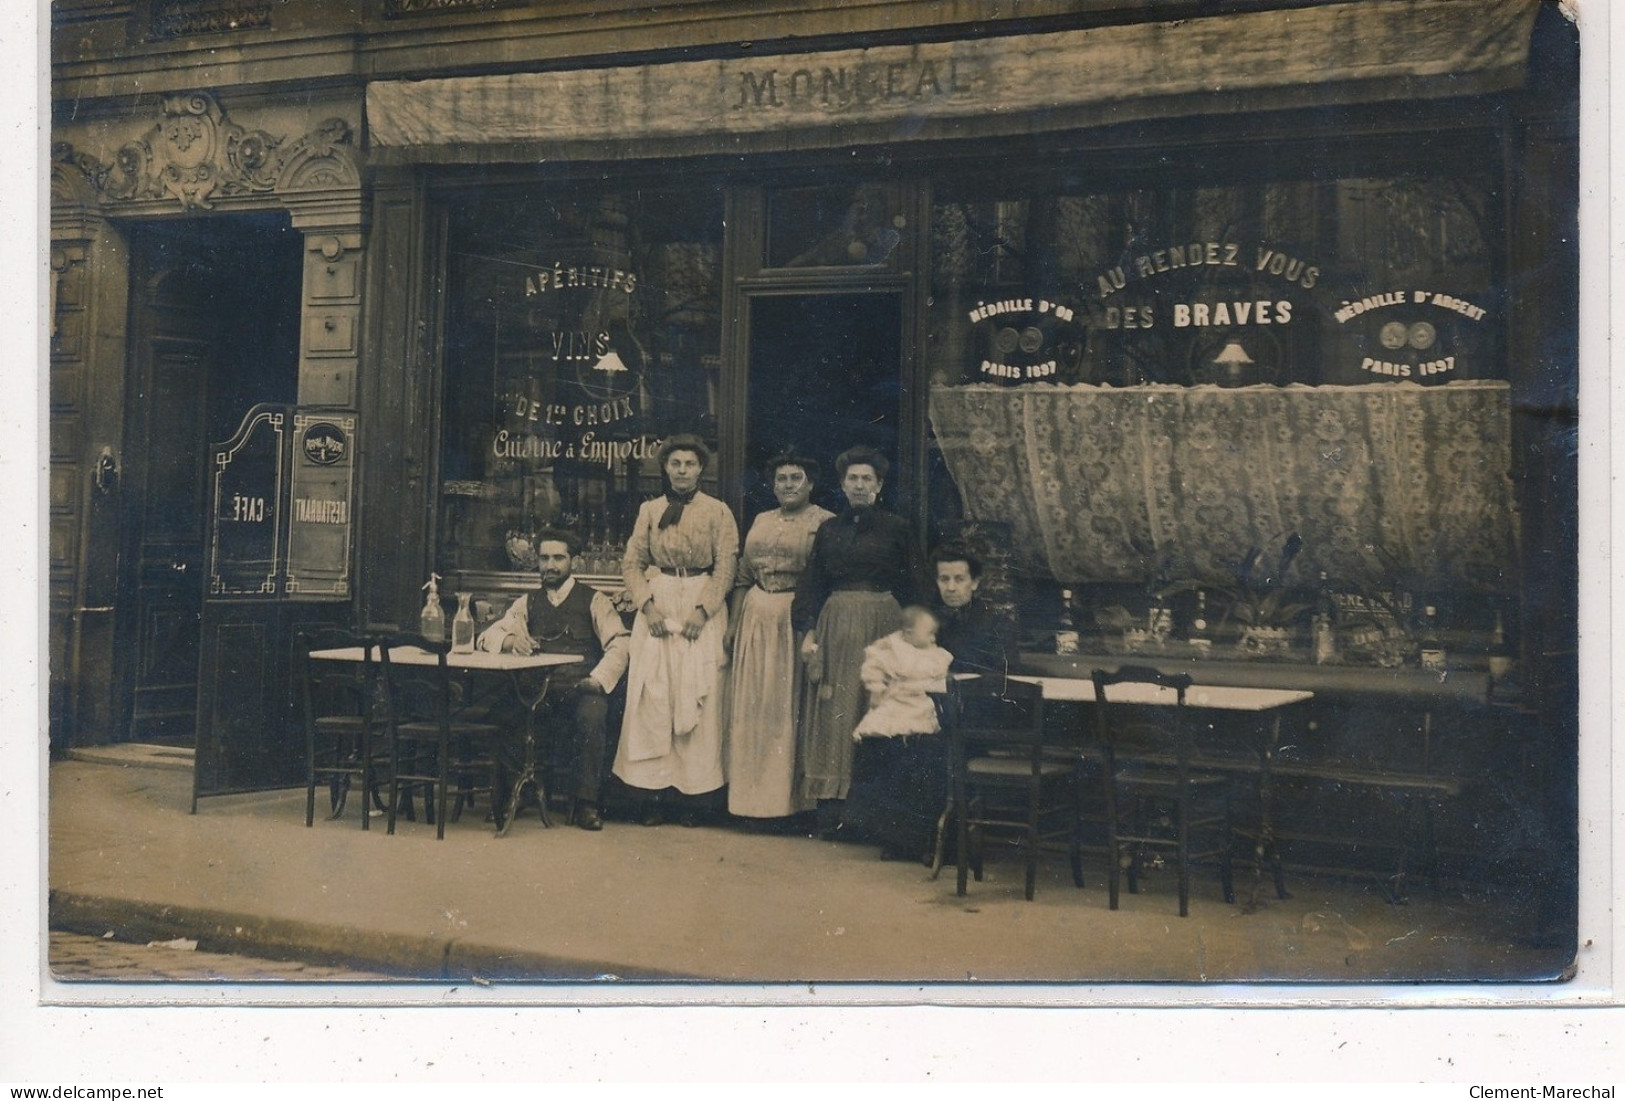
(1231, 314)
(575, 400)
(322, 487)
(247, 510)
(1025, 339)
(1217, 312)
(1415, 335)
(246, 522)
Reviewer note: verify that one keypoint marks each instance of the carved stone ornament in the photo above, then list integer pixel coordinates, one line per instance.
(196, 155)
(180, 18)
(322, 159)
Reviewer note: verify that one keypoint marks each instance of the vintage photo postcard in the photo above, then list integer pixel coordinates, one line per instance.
(709, 500)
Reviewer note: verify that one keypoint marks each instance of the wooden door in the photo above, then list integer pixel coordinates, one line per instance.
(173, 354)
(213, 330)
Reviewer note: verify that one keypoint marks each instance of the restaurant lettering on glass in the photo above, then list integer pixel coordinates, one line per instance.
(1249, 326)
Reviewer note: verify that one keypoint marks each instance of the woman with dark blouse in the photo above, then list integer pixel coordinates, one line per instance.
(864, 565)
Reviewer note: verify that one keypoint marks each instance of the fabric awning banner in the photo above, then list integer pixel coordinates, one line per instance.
(1352, 52)
(1384, 483)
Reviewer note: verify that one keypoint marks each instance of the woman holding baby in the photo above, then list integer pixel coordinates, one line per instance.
(863, 567)
(900, 764)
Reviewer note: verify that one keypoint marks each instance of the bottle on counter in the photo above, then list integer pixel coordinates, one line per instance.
(1199, 636)
(1159, 620)
(432, 620)
(1066, 628)
(462, 626)
(598, 555)
(1430, 649)
(1501, 657)
(1323, 632)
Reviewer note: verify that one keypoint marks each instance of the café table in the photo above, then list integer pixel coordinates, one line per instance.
(1265, 703)
(481, 661)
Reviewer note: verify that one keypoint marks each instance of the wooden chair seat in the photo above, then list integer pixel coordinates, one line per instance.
(1002, 782)
(1158, 778)
(1155, 800)
(1014, 767)
(344, 741)
(436, 752)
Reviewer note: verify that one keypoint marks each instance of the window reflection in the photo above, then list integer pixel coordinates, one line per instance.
(1228, 285)
(579, 332)
(833, 227)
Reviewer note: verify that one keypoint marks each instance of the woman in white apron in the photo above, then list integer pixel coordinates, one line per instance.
(679, 570)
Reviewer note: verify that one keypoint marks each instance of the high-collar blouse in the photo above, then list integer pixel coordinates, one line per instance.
(705, 538)
(776, 547)
(980, 639)
(863, 547)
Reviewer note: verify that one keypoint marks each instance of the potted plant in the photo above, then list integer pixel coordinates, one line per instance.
(1150, 631)
(1255, 594)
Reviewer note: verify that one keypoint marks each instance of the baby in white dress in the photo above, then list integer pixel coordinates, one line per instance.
(899, 671)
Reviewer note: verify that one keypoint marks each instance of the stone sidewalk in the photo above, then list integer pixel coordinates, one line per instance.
(77, 957)
(714, 904)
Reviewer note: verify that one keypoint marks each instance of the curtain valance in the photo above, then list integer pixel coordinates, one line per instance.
(1385, 483)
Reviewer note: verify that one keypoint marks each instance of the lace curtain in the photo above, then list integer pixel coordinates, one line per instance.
(1387, 484)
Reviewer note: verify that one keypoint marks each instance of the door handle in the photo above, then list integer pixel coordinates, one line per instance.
(105, 474)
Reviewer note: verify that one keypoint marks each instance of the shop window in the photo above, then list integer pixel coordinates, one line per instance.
(579, 333)
(1160, 389)
(1300, 281)
(822, 227)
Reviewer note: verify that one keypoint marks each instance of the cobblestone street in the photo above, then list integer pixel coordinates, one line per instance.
(74, 957)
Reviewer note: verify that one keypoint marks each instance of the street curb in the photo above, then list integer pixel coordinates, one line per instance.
(134, 755)
(425, 959)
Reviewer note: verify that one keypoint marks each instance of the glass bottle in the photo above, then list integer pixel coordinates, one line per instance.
(1159, 620)
(602, 557)
(1324, 629)
(1500, 652)
(462, 626)
(1066, 628)
(1201, 641)
(432, 620)
(1431, 648)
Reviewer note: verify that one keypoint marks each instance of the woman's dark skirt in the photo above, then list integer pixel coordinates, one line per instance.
(899, 787)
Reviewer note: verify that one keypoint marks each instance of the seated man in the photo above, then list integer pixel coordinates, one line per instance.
(563, 617)
(980, 639)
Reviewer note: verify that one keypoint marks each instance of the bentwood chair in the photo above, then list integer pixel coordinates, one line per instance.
(1155, 799)
(436, 750)
(345, 740)
(1003, 783)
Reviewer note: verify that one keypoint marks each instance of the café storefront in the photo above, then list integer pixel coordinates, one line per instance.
(1201, 323)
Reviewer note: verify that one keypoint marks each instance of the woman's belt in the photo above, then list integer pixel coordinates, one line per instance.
(685, 571)
(786, 589)
(861, 587)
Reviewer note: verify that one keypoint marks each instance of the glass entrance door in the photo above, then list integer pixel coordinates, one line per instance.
(825, 374)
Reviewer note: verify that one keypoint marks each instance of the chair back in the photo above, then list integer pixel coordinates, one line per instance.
(418, 693)
(1152, 731)
(995, 713)
(335, 687)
